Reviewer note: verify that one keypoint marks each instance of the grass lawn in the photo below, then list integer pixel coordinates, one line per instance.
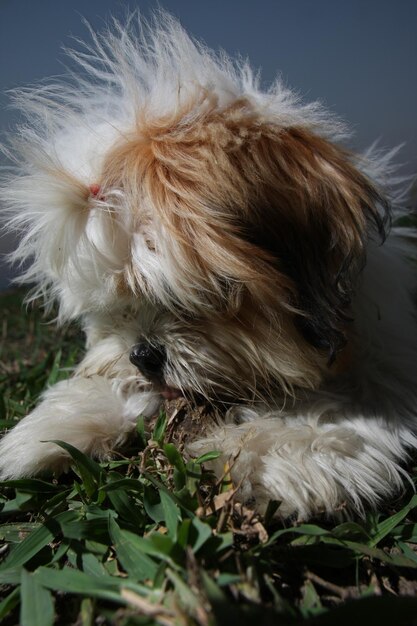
(152, 538)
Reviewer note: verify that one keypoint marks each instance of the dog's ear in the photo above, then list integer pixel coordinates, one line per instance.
(315, 220)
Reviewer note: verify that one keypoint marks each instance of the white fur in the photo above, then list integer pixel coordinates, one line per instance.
(86, 412)
(342, 448)
(342, 445)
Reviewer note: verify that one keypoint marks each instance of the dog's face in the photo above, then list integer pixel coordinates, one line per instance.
(233, 214)
(249, 237)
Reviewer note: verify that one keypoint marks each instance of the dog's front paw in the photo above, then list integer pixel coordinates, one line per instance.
(84, 412)
(23, 454)
(310, 467)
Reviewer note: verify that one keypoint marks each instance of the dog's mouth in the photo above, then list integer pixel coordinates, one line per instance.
(170, 393)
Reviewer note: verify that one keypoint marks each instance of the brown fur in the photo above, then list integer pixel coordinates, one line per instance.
(257, 213)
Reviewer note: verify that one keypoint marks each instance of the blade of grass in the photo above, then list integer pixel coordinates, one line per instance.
(37, 606)
(387, 526)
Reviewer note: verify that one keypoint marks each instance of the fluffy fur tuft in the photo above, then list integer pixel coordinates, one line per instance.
(222, 231)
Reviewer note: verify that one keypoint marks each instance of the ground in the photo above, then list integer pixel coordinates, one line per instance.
(153, 538)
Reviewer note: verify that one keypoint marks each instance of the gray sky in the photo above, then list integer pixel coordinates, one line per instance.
(358, 57)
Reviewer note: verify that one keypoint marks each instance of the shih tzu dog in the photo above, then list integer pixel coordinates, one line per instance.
(218, 242)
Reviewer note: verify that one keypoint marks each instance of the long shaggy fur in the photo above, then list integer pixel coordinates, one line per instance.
(170, 203)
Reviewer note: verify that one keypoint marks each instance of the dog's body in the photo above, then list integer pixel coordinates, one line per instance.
(212, 236)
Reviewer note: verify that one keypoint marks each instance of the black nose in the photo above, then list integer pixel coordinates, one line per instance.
(149, 359)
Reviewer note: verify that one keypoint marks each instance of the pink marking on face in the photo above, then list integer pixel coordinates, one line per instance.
(170, 393)
(94, 189)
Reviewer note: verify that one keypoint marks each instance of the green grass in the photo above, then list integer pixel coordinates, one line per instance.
(153, 538)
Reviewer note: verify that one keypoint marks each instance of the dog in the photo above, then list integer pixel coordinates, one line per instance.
(217, 241)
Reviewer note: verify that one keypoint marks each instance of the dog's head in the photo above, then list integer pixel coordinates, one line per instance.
(174, 180)
(252, 236)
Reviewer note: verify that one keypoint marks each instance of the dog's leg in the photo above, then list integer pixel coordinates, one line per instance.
(315, 463)
(93, 412)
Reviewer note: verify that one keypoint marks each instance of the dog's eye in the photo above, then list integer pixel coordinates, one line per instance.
(150, 244)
